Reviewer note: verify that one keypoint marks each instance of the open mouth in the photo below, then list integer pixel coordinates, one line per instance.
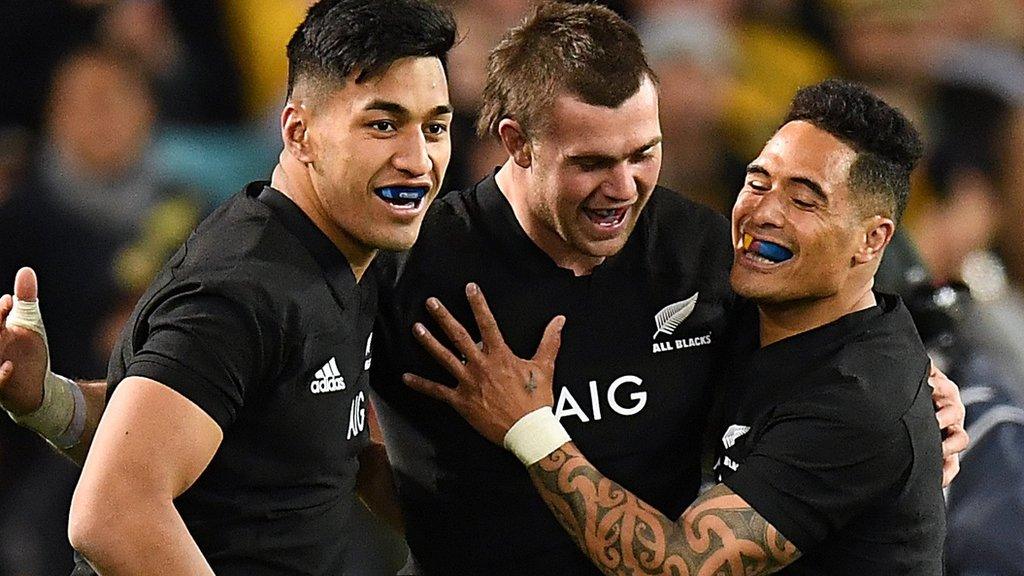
(406, 197)
(608, 218)
(764, 251)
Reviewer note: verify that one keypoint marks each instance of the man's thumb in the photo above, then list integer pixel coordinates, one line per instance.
(26, 287)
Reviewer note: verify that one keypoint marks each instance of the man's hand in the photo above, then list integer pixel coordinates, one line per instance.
(950, 412)
(496, 387)
(22, 352)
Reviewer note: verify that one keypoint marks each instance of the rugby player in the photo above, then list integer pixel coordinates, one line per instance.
(445, 506)
(832, 463)
(234, 413)
(572, 224)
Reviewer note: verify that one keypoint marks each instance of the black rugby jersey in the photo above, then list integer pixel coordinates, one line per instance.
(834, 442)
(632, 379)
(258, 320)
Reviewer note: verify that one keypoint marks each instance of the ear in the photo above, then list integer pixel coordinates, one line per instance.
(295, 131)
(515, 141)
(877, 235)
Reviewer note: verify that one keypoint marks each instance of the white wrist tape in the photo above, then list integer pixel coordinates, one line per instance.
(60, 417)
(535, 435)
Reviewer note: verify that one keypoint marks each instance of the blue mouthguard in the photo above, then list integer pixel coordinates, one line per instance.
(773, 251)
(402, 192)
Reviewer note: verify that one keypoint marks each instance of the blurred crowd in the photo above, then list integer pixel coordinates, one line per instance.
(122, 122)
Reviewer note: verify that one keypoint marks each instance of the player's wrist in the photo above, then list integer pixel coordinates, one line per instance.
(60, 417)
(535, 436)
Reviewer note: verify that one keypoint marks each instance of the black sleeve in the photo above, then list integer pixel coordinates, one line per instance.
(208, 348)
(819, 463)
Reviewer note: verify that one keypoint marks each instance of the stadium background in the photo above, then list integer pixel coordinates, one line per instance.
(123, 122)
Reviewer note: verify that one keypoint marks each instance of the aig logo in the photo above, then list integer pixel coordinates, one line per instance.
(356, 416)
(632, 404)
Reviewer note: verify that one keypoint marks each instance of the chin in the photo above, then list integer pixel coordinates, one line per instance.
(604, 248)
(750, 288)
(398, 240)
(394, 244)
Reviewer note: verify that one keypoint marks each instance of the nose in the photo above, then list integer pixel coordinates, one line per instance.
(767, 209)
(621, 184)
(412, 157)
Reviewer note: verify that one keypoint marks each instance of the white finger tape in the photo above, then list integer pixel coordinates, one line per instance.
(60, 417)
(25, 314)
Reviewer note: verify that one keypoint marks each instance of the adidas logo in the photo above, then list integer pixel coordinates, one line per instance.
(328, 379)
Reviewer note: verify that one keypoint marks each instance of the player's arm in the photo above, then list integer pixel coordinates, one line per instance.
(150, 447)
(508, 400)
(374, 483)
(62, 411)
(718, 534)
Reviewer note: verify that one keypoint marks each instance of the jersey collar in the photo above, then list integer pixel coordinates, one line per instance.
(507, 233)
(787, 360)
(332, 262)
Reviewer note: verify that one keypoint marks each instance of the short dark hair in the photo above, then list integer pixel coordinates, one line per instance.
(887, 144)
(341, 37)
(586, 50)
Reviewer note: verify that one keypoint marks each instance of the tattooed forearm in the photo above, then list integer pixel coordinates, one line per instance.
(718, 534)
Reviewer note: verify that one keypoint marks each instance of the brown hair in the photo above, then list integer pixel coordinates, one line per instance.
(586, 50)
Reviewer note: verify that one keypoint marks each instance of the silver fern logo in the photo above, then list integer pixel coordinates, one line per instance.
(672, 316)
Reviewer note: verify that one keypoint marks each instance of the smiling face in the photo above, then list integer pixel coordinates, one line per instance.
(590, 173)
(796, 199)
(376, 153)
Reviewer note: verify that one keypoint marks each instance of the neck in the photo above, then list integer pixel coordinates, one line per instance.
(292, 179)
(785, 319)
(513, 182)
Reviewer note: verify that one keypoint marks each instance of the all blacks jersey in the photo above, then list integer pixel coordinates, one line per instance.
(639, 355)
(258, 320)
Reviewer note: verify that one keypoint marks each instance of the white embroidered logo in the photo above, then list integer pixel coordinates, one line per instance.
(733, 434)
(368, 357)
(568, 406)
(728, 441)
(356, 416)
(672, 316)
(328, 379)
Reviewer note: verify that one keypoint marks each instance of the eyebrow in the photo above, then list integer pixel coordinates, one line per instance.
(402, 111)
(606, 158)
(802, 180)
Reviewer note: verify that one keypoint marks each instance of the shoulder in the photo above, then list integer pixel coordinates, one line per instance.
(681, 243)
(885, 365)
(864, 402)
(242, 254)
(450, 216)
(667, 209)
(450, 228)
(672, 222)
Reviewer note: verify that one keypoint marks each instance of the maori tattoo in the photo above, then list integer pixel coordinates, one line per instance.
(719, 534)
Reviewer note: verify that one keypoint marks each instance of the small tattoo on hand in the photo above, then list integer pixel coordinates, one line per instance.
(531, 385)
